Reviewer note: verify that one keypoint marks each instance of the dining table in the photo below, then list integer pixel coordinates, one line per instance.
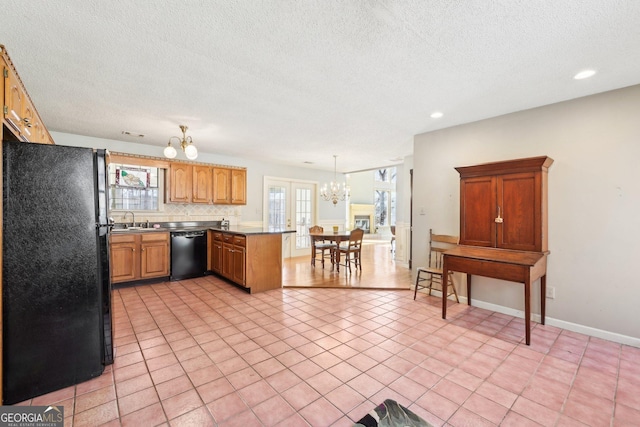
(336, 237)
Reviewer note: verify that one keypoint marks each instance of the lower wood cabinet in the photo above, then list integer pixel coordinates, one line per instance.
(139, 256)
(250, 260)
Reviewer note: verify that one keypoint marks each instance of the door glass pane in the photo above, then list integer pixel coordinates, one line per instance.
(277, 207)
(381, 202)
(303, 217)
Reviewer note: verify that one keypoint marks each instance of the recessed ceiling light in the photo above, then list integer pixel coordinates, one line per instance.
(585, 74)
(436, 115)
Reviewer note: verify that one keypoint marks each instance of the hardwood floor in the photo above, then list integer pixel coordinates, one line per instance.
(379, 271)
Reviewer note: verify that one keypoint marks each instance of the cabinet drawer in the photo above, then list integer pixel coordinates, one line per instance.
(217, 236)
(123, 238)
(154, 237)
(227, 238)
(240, 241)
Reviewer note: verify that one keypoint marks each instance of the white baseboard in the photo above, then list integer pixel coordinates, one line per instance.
(563, 324)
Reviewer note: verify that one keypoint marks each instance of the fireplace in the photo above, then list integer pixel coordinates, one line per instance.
(362, 221)
(362, 216)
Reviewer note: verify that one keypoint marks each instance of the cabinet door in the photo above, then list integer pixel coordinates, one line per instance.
(29, 118)
(123, 261)
(239, 264)
(227, 260)
(221, 185)
(478, 211)
(238, 186)
(180, 182)
(216, 256)
(14, 96)
(154, 260)
(519, 199)
(202, 183)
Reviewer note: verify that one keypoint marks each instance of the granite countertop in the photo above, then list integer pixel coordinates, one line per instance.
(198, 226)
(252, 230)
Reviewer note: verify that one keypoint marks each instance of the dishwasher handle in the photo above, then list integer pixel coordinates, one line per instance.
(188, 234)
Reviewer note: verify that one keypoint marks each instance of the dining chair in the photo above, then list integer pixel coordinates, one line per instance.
(351, 249)
(320, 246)
(393, 238)
(432, 273)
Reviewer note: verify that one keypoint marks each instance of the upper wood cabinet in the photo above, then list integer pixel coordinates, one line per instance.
(19, 113)
(238, 187)
(504, 204)
(202, 183)
(180, 178)
(13, 100)
(221, 185)
(229, 186)
(206, 184)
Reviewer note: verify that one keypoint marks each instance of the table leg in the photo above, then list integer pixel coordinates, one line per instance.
(468, 289)
(527, 309)
(543, 297)
(445, 277)
(313, 251)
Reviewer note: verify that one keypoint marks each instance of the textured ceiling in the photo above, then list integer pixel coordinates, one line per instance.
(293, 81)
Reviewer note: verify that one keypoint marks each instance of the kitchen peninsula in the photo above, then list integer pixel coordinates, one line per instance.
(250, 257)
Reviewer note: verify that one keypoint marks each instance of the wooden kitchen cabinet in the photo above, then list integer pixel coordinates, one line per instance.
(229, 186)
(123, 258)
(221, 185)
(139, 256)
(19, 113)
(14, 96)
(253, 261)
(216, 252)
(239, 259)
(180, 178)
(504, 204)
(238, 187)
(202, 184)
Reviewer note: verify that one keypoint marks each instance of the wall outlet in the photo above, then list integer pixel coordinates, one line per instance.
(551, 292)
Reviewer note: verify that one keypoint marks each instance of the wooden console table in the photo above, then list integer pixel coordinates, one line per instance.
(515, 266)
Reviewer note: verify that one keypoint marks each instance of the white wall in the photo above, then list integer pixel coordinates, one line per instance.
(594, 203)
(256, 171)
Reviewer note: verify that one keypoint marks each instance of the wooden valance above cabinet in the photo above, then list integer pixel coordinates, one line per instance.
(504, 204)
(19, 115)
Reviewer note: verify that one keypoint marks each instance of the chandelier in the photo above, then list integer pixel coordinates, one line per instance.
(186, 143)
(335, 191)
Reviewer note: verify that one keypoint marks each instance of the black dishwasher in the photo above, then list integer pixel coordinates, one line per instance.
(188, 254)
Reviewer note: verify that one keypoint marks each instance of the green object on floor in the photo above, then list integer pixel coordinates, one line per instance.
(391, 414)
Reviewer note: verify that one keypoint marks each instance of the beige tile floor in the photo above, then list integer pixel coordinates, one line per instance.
(203, 352)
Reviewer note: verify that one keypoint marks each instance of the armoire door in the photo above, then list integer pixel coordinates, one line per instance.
(519, 201)
(478, 211)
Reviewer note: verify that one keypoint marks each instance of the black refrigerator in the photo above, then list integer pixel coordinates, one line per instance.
(56, 290)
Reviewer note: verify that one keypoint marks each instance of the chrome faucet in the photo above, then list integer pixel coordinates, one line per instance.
(133, 218)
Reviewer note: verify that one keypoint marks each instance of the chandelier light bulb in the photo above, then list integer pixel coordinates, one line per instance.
(170, 152)
(191, 152)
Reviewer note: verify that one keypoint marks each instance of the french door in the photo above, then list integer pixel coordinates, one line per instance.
(291, 205)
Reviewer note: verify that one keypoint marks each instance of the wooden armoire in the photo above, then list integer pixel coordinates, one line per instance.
(503, 227)
(504, 204)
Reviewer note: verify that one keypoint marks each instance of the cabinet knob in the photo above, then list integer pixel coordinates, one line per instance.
(498, 220)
